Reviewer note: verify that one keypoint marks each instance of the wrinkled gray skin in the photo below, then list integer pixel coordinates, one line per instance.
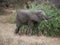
(29, 17)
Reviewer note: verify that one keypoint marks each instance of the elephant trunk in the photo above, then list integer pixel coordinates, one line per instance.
(49, 17)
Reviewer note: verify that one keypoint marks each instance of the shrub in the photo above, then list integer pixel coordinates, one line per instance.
(52, 27)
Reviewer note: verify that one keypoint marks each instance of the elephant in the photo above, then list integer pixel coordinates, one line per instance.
(29, 17)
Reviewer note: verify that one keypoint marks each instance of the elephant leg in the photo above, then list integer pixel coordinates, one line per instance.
(18, 25)
(36, 28)
(30, 25)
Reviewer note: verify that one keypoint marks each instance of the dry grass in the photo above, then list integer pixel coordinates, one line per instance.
(8, 16)
(7, 19)
(7, 37)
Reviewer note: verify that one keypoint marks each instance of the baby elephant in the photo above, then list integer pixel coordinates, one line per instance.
(29, 18)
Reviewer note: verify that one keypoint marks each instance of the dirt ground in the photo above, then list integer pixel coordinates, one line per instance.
(7, 37)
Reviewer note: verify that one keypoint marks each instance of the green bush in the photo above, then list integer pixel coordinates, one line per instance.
(52, 26)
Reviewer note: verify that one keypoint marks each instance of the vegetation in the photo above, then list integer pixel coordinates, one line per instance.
(52, 26)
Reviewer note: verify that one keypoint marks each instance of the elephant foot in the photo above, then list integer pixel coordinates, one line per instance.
(16, 31)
